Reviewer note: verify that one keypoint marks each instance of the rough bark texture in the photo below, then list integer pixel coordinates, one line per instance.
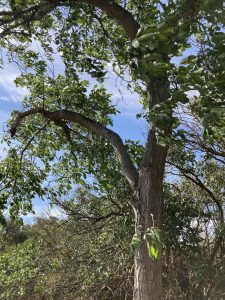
(149, 207)
(148, 272)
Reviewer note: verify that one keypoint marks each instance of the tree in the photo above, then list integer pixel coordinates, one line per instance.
(147, 37)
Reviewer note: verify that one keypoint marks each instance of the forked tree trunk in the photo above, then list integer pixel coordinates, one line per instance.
(149, 208)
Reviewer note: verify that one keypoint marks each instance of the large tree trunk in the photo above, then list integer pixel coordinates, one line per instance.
(149, 207)
(148, 272)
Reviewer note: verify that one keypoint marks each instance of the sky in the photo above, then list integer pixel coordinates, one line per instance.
(125, 123)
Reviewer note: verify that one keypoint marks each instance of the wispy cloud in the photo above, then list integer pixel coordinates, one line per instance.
(9, 91)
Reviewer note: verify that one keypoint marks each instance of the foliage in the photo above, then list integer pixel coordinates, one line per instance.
(19, 267)
(87, 255)
(194, 250)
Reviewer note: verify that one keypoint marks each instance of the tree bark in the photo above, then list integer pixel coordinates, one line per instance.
(148, 272)
(149, 205)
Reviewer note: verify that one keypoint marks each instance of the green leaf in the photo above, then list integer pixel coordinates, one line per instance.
(188, 60)
(146, 37)
(117, 69)
(154, 243)
(198, 71)
(153, 251)
(179, 96)
(162, 37)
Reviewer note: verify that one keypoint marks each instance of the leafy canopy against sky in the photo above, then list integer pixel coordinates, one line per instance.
(87, 41)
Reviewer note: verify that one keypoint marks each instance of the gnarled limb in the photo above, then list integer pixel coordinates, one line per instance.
(127, 166)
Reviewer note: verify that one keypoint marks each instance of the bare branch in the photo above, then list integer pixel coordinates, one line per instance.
(127, 166)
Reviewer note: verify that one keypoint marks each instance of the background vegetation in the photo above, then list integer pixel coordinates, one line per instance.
(88, 253)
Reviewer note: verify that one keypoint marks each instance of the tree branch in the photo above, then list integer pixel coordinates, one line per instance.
(35, 12)
(195, 179)
(127, 166)
(13, 19)
(118, 13)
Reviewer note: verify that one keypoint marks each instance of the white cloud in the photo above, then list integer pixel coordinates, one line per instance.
(9, 91)
(44, 211)
(3, 151)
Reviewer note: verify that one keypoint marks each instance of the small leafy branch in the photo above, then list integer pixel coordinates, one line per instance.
(154, 242)
(152, 236)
